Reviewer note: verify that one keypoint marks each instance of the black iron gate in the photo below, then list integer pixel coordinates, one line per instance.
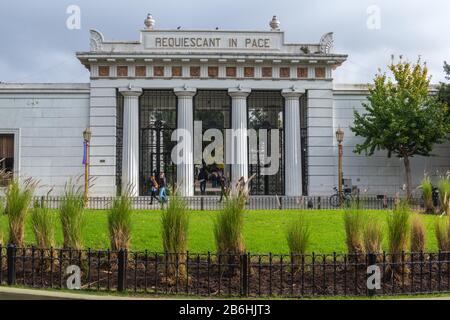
(266, 111)
(157, 121)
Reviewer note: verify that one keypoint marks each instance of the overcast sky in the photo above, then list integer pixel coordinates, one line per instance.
(36, 45)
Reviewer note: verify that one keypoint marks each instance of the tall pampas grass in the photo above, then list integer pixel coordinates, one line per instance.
(444, 194)
(298, 237)
(71, 213)
(418, 234)
(399, 227)
(427, 194)
(174, 225)
(354, 228)
(119, 223)
(373, 236)
(18, 201)
(43, 224)
(442, 230)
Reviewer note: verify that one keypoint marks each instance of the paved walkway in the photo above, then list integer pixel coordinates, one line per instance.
(7, 293)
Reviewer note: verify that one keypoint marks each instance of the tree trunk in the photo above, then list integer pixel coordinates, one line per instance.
(408, 177)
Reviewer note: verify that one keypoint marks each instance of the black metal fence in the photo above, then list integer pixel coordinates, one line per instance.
(251, 275)
(254, 203)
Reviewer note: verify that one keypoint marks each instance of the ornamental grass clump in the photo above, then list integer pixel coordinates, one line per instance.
(373, 236)
(174, 227)
(444, 194)
(427, 194)
(72, 216)
(18, 201)
(298, 237)
(228, 229)
(119, 223)
(399, 227)
(442, 231)
(418, 234)
(43, 224)
(354, 228)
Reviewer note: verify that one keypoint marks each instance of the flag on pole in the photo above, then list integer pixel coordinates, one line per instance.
(85, 153)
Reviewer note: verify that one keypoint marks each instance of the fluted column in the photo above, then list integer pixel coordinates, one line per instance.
(130, 153)
(239, 145)
(293, 147)
(185, 167)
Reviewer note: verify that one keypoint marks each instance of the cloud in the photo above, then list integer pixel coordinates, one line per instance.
(38, 47)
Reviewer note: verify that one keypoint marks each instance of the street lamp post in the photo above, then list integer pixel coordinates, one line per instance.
(340, 139)
(87, 140)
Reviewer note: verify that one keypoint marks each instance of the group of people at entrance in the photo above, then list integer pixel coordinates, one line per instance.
(217, 178)
(158, 187)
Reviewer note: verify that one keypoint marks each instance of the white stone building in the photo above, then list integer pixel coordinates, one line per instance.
(140, 91)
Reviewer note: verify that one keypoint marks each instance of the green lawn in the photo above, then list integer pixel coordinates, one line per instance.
(264, 231)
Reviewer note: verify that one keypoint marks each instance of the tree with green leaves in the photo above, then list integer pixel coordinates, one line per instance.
(444, 88)
(402, 117)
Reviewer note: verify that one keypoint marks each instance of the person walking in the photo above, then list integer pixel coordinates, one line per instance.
(162, 188)
(153, 188)
(202, 178)
(224, 189)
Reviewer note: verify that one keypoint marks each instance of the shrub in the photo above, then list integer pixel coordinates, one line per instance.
(373, 236)
(444, 194)
(354, 227)
(229, 225)
(427, 194)
(43, 224)
(418, 234)
(18, 200)
(175, 223)
(72, 217)
(119, 223)
(442, 228)
(298, 238)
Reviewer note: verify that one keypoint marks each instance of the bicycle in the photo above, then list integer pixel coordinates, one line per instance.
(336, 200)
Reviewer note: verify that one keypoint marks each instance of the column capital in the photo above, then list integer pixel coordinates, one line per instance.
(292, 93)
(239, 92)
(131, 91)
(185, 92)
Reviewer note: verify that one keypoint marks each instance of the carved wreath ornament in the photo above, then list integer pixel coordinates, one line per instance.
(326, 43)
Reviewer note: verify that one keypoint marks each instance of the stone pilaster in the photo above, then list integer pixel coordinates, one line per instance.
(239, 145)
(293, 148)
(185, 168)
(130, 155)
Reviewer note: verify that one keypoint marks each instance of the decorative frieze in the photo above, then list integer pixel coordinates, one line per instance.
(177, 71)
(158, 71)
(320, 73)
(285, 72)
(267, 72)
(213, 72)
(249, 72)
(122, 71)
(208, 71)
(195, 72)
(140, 71)
(103, 71)
(231, 72)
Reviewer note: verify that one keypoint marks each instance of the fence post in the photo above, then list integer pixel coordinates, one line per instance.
(244, 274)
(319, 205)
(11, 264)
(371, 261)
(121, 270)
(202, 205)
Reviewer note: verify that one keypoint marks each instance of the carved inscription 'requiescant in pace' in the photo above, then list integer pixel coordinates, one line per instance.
(206, 42)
